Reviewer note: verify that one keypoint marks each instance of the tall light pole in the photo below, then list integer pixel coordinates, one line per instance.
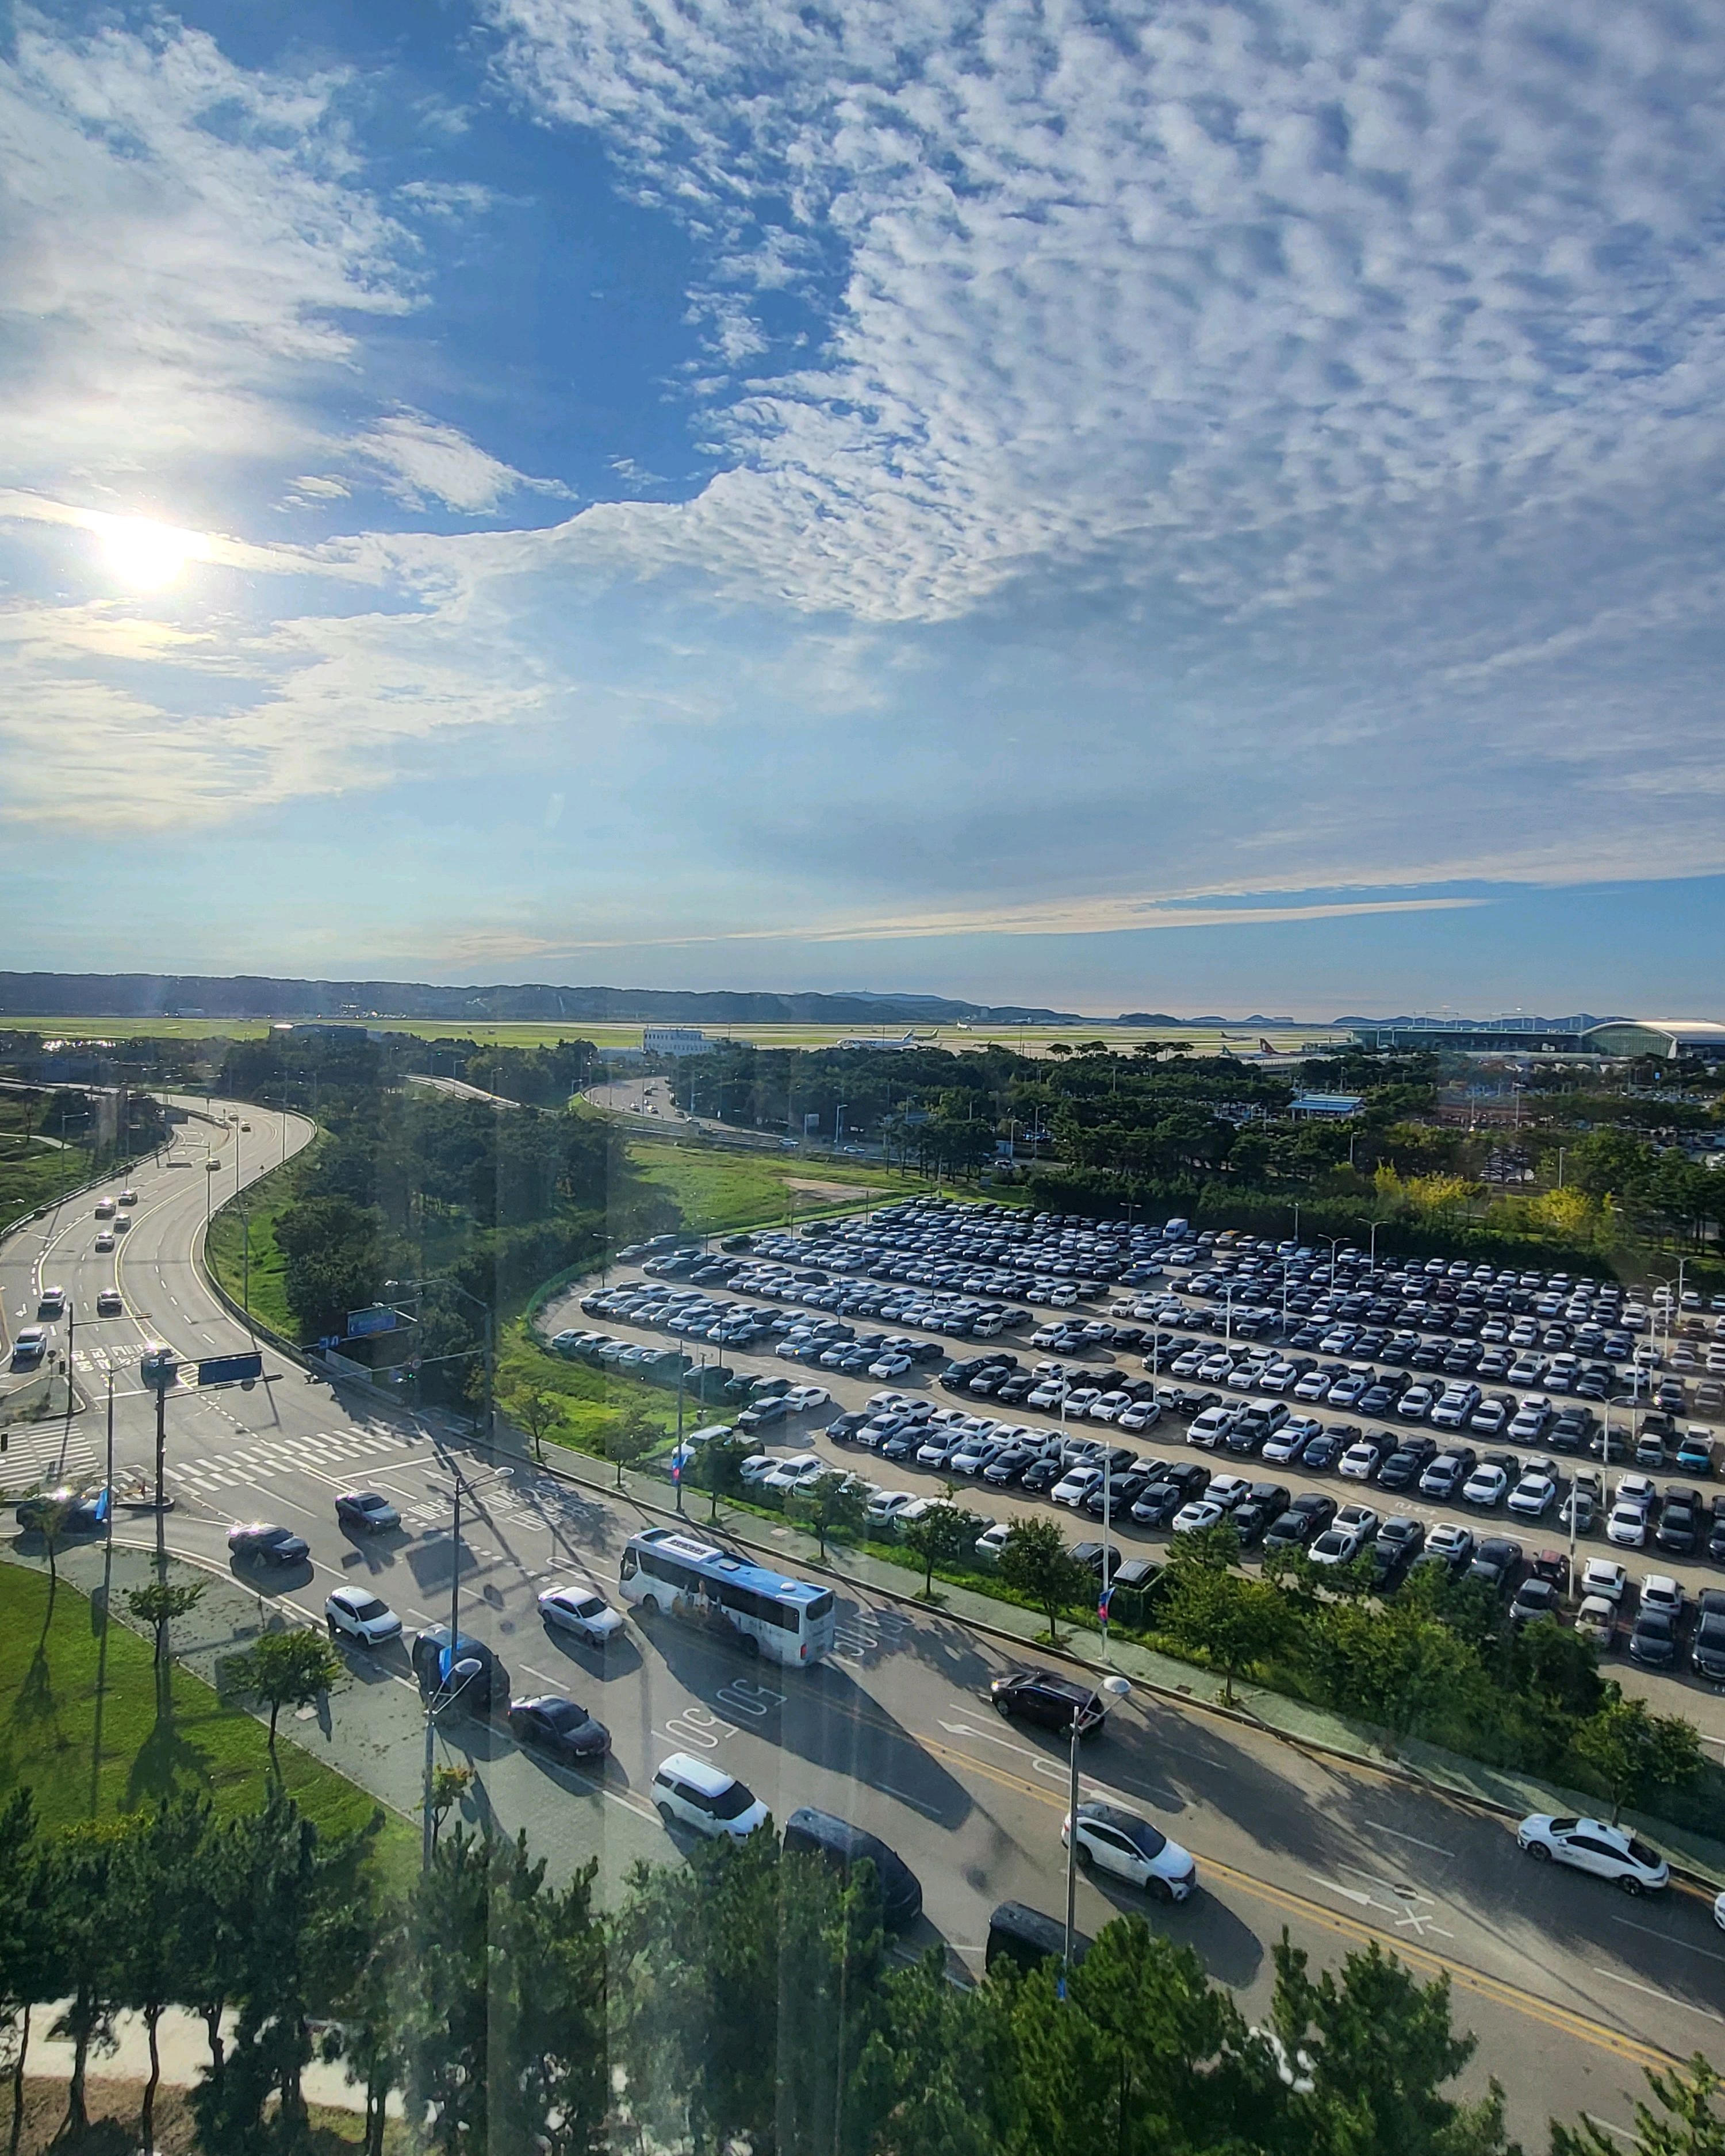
(1116, 1688)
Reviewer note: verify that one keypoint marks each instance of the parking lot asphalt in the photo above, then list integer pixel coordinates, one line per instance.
(1185, 1315)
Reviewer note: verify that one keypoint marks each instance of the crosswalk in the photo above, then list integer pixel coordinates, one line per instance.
(330, 1455)
(46, 1452)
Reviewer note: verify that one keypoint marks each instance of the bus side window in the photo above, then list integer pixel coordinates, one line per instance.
(628, 1568)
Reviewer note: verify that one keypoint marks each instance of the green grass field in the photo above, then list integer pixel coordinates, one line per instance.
(1031, 1040)
(32, 1174)
(718, 1190)
(49, 1672)
(226, 1249)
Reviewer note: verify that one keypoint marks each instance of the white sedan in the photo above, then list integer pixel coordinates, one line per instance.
(1112, 1838)
(1074, 1488)
(890, 1365)
(1607, 1852)
(579, 1610)
(1485, 1485)
(804, 1399)
(1193, 1518)
(354, 1613)
(1627, 1526)
(796, 1473)
(1140, 1415)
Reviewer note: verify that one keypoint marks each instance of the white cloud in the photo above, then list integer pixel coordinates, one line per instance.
(184, 252)
(1153, 285)
(424, 458)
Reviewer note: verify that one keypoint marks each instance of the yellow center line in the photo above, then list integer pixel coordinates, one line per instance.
(1499, 1991)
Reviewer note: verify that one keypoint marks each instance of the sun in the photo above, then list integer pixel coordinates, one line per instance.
(146, 555)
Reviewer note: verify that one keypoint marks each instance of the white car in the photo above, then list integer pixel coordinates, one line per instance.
(884, 1506)
(1627, 1526)
(104, 1241)
(354, 1613)
(1533, 1496)
(1662, 1593)
(1112, 1840)
(757, 1467)
(1337, 1545)
(1604, 1576)
(993, 1540)
(890, 1365)
(1192, 1519)
(1596, 1619)
(1607, 1852)
(1141, 1414)
(1360, 1516)
(1360, 1462)
(105, 1208)
(795, 1473)
(579, 1610)
(1074, 1488)
(804, 1399)
(1212, 1426)
(692, 1794)
(1485, 1487)
(1226, 1490)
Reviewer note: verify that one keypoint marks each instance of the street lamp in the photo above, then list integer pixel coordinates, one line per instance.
(443, 1280)
(1116, 1688)
(449, 1690)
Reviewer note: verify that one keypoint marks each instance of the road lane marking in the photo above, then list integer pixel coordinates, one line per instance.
(1668, 1938)
(1378, 1827)
(1664, 1998)
(1496, 1990)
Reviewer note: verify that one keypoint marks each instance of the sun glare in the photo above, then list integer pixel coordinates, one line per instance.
(146, 555)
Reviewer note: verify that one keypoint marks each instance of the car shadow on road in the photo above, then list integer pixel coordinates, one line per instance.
(1229, 1948)
(602, 1665)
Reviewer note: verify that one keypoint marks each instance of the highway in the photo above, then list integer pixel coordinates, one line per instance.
(1570, 1986)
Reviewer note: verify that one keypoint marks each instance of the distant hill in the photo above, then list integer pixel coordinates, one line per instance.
(254, 995)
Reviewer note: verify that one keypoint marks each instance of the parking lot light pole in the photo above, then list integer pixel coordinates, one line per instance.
(1116, 1688)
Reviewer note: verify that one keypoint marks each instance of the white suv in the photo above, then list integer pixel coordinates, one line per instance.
(354, 1613)
(713, 1803)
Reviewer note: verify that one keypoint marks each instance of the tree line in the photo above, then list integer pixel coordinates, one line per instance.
(746, 2001)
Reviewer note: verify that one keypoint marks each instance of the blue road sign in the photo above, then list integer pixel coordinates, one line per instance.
(230, 1370)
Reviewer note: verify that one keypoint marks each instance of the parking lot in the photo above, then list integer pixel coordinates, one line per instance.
(1028, 1359)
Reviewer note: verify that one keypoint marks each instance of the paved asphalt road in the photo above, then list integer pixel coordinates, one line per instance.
(1570, 1986)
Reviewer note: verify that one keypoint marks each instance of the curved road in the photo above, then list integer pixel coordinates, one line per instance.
(1571, 1988)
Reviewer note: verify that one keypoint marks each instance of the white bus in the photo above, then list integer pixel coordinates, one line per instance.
(786, 1621)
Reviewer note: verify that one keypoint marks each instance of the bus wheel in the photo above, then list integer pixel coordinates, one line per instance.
(649, 1608)
(751, 1644)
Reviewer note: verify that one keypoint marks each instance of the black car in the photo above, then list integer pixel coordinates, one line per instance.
(836, 1842)
(1303, 1522)
(1395, 1547)
(430, 1657)
(1706, 1650)
(80, 1512)
(1679, 1528)
(845, 1427)
(1495, 1560)
(1653, 1638)
(1122, 1492)
(269, 1545)
(558, 1726)
(1054, 1702)
(365, 1510)
(1403, 1468)
(1322, 1452)
(1251, 1517)
(1534, 1598)
(761, 1414)
(1042, 1474)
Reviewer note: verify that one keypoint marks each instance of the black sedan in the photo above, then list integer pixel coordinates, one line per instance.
(365, 1510)
(1055, 1702)
(558, 1726)
(268, 1544)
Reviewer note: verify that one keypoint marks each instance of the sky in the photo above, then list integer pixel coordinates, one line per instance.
(1169, 506)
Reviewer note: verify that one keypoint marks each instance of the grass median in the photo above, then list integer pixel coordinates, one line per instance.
(81, 1726)
(243, 1254)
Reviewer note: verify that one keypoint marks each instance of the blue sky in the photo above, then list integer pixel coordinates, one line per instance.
(1184, 506)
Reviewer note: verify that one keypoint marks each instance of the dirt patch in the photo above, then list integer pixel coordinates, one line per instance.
(114, 2107)
(836, 1192)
